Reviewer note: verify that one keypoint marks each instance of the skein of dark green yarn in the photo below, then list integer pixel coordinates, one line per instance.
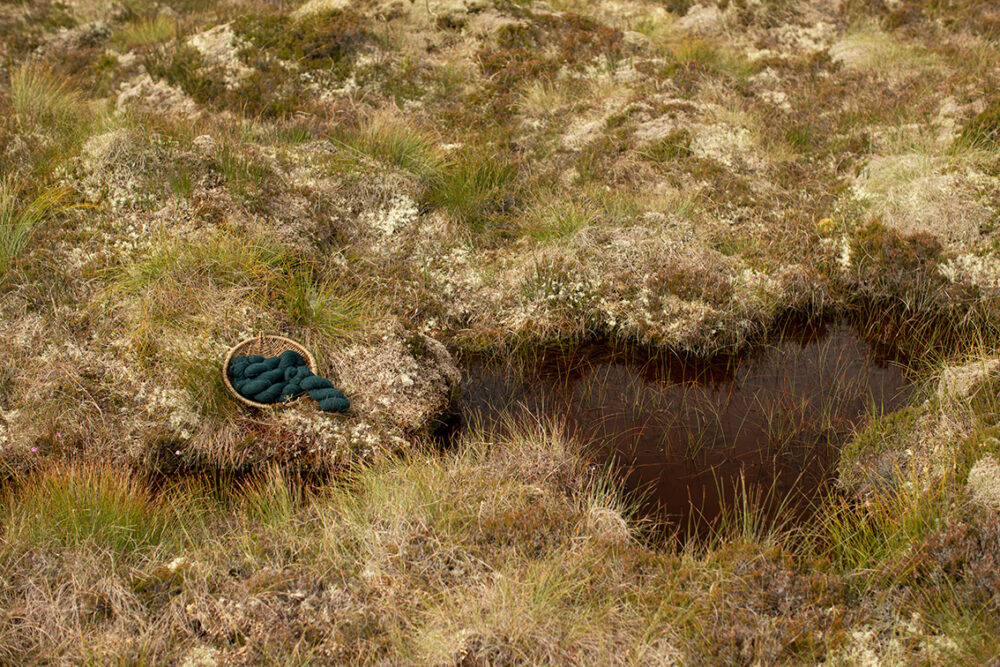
(266, 380)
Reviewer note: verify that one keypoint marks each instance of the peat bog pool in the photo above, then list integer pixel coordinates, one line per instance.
(688, 438)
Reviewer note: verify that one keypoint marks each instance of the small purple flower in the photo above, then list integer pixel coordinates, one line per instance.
(178, 452)
(34, 449)
(58, 434)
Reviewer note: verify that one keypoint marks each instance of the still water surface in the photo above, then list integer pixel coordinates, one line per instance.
(688, 438)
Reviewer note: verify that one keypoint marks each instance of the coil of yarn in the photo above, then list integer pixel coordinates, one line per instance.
(282, 378)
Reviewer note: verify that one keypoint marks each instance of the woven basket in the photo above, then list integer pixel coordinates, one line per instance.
(267, 346)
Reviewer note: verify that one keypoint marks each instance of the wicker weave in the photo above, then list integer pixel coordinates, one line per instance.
(267, 346)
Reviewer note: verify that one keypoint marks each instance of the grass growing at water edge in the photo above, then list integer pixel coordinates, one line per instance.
(65, 506)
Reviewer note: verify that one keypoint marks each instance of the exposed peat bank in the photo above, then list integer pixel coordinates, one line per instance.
(694, 440)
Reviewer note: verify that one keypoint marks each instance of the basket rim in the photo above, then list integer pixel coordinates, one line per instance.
(259, 338)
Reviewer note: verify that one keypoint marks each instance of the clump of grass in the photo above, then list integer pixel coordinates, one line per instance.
(542, 97)
(866, 537)
(555, 220)
(272, 498)
(223, 261)
(868, 48)
(246, 176)
(321, 306)
(750, 514)
(675, 145)
(694, 50)
(181, 285)
(617, 205)
(659, 27)
(19, 219)
(515, 619)
(392, 141)
(966, 633)
(477, 189)
(684, 51)
(63, 506)
(181, 181)
(51, 115)
(983, 131)
(201, 378)
(285, 133)
(536, 554)
(39, 96)
(146, 32)
(419, 488)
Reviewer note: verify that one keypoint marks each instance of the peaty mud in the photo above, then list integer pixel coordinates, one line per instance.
(694, 441)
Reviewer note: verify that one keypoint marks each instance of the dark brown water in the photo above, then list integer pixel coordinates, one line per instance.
(689, 439)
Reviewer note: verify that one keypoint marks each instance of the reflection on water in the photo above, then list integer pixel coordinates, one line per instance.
(682, 434)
